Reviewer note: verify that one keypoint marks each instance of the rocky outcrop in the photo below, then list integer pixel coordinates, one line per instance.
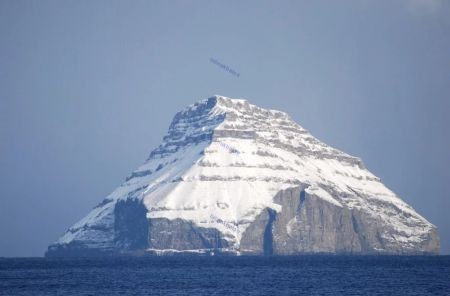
(129, 232)
(309, 224)
(131, 227)
(258, 237)
(179, 235)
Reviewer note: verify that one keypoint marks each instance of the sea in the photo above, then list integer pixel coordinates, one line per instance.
(227, 275)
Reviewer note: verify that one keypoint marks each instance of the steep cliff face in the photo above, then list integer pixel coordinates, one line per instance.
(308, 224)
(236, 178)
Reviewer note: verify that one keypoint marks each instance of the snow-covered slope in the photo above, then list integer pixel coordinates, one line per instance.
(222, 163)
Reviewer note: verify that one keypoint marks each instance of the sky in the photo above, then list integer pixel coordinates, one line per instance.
(89, 88)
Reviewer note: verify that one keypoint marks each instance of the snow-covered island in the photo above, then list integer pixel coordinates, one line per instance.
(233, 178)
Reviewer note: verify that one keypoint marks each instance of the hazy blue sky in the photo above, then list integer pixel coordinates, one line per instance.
(88, 88)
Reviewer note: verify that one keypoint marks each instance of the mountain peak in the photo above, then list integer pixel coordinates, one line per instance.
(227, 100)
(221, 104)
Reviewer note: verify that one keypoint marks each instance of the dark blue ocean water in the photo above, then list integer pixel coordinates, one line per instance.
(307, 275)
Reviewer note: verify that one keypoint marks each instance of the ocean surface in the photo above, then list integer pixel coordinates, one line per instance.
(177, 275)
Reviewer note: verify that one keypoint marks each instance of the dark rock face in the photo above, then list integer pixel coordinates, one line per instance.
(130, 225)
(308, 224)
(130, 234)
(257, 239)
(183, 235)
